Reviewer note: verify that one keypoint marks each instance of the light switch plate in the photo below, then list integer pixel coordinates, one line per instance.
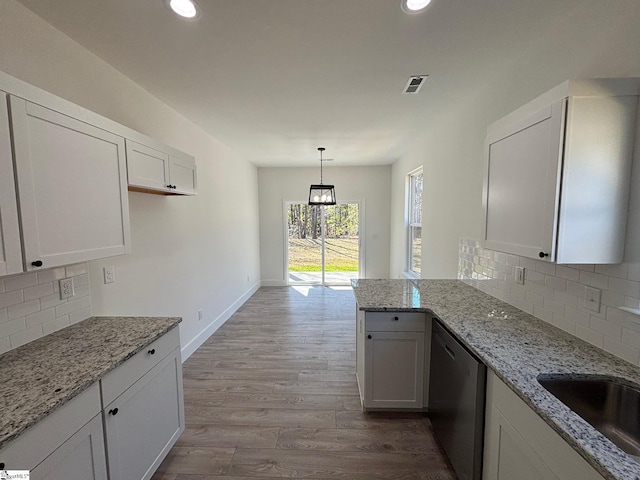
(519, 275)
(592, 299)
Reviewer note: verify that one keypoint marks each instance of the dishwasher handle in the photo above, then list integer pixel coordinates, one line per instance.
(443, 343)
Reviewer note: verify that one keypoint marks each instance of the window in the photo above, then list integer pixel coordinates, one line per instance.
(414, 221)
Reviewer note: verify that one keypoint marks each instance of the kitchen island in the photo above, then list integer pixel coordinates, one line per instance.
(516, 347)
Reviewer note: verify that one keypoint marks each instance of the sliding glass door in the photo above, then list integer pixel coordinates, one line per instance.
(323, 245)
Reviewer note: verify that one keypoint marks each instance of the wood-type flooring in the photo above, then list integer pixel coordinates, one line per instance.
(273, 394)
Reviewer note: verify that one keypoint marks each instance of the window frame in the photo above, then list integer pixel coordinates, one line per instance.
(413, 221)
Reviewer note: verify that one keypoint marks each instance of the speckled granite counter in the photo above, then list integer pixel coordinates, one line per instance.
(517, 347)
(43, 375)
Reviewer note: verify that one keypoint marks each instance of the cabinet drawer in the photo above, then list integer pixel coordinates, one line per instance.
(395, 321)
(119, 379)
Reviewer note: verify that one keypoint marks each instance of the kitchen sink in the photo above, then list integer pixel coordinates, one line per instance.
(611, 405)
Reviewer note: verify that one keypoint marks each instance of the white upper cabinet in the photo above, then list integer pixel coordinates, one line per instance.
(557, 174)
(155, 169)
(10, 247)
(71, 187)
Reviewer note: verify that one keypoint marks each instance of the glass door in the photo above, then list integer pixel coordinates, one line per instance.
(323, 245)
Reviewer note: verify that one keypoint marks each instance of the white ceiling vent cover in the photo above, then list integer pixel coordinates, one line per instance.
(414, 84)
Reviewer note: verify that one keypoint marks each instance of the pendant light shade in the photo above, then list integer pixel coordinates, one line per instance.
(322, 194)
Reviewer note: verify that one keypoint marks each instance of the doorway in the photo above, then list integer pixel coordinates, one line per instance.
(323, 243)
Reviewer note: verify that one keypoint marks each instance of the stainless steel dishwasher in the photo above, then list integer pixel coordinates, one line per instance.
(456, 402)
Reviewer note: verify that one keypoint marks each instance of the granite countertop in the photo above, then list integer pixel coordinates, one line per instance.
(39, 377)
(517, 347)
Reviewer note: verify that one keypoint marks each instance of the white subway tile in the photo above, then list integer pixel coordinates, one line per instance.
(543, 290)
(531, 275)
(51, 275)
(26, 336)
(624, 287)
(612, 299)
(3, 315)
(79, 315)
(555, 283)
(500, 257)
(566, 298)
(77, 269)
(577, 316)
(513, 260)
(11, 298)
(51, 301)
(585, 268)
(23, 309)
(82, 291)
(534, 298)
(626, 352)
(591, 336)
(81, 280)
(38, 291)
(634, 272)
(528, 263)
(12, 326)
(40, 317)
(1, 285)
(595, 280)
(567, 273)
(56, 324)
(631, 302)
(556, 308)
(609, 329)
(547, 268)
(631, 337)
(5, 345)
(575, 288)
(620, 270)
(20, 281)
(564, 324)
(543, 314)
(73, 306)
(625, 319)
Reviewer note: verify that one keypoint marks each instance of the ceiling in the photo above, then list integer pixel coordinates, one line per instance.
(275, 79)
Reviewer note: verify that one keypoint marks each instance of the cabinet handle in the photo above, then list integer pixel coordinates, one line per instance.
(152, 351)
(368, 336)
(37, 263)
(542, 254)
(396, 318)
(113, 411)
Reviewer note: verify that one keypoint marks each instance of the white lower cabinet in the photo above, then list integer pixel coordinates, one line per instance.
(520, 445)
(146, 415)
(155, 402)
(391, 359)
(80, 457)
(68, 444)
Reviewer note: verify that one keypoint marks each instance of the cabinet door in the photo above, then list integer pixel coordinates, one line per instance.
(71, 186)
(147, 167)
(80, 457)
(145, 421)
(522, 185)
(182, 173)
(10, 247)
(394, 369)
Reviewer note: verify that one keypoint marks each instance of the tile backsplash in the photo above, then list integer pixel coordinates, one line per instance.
(556, 294)
(30, 304)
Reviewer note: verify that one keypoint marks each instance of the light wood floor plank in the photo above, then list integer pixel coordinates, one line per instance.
(273, 394)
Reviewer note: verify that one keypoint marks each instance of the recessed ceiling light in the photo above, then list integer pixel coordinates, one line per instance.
(184, 8)
(414, 6)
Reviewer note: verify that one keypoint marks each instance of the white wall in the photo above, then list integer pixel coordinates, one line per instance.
(369, 185)
(189, 253)
(596, 40)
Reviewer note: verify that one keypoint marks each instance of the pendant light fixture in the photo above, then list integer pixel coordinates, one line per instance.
(322, 194)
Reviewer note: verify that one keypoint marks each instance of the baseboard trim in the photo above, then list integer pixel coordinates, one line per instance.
(210, 329)
(274, 283)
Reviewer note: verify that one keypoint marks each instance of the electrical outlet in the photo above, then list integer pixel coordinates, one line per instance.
(109, 275)
(592, 299)
(519, 275)
(66, 288)
(200, 315)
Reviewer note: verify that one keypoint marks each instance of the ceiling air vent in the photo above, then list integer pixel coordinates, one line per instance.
(414, 84)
